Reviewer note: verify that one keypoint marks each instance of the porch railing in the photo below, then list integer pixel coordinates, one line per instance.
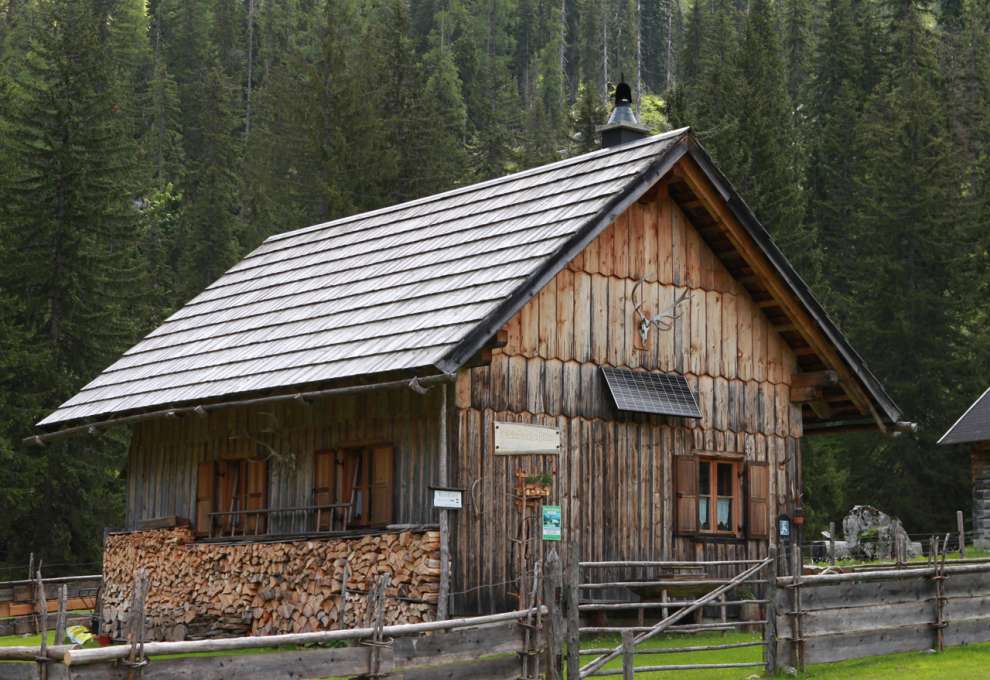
(316, 518)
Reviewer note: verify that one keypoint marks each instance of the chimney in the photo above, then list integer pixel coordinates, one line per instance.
(622, 126)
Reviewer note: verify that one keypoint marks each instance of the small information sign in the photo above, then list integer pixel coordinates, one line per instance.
(451, 499)
(551, 522)
(526, 439)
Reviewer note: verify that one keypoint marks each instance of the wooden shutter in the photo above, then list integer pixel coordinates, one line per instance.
(381, 484)
(204, 497)
(355, 486)
(758, 500)
(255, 494)
(324, 485)
(686, 494)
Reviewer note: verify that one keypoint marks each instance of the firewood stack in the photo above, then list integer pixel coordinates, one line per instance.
(209, 590)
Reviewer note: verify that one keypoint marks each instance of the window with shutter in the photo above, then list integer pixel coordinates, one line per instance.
(255, 493)
(758, 500)
(709, 495)
(686, 483)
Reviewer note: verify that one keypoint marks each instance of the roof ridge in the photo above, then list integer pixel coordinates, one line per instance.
(423, 200)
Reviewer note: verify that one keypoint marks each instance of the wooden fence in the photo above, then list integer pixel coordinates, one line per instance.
(666, 615)
(490, 646)
(834, 617)
(19, 608)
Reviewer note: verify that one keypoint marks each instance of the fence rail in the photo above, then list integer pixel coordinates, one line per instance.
(19, 601)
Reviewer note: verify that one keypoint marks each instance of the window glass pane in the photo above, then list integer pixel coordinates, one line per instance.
(725, 479)
(704, 521)
(724, 506)
(704, 478)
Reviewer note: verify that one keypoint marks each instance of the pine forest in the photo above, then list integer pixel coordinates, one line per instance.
(146, 145)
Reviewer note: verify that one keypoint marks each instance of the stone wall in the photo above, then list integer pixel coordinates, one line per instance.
(204, 590)
(981, 497)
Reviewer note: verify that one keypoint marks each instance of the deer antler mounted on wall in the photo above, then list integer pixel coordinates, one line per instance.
(663, 321)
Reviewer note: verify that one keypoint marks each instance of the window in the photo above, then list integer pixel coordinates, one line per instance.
(226, 492)
(711, 492)
(354, 487)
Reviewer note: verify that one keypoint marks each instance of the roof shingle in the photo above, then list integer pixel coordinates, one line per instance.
(392, 289)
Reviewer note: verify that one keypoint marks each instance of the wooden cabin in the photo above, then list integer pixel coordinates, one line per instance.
(973, 429)
(625, 300)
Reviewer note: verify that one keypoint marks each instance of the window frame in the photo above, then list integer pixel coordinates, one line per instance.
(738, 466)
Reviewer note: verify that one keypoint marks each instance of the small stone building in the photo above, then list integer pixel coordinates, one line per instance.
(973, 428)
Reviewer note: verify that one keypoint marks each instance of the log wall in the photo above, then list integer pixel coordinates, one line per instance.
(614, 477)
(201, 590)
(165, 453)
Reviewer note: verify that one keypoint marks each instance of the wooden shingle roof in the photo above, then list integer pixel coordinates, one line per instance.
(421, 287)
(973, 425)
(393, 289)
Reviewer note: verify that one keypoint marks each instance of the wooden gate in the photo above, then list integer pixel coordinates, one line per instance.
(601, 587)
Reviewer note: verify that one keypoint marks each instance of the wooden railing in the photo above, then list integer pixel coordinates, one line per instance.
(241, 523)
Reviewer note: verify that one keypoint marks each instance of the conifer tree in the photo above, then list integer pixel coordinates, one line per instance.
(769, 172)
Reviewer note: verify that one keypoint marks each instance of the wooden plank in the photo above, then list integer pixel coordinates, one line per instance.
(599, 319)
(665, 241)
(729, 336)
(664, 340)
(868, 616)
(815, 596)
(547, 347)
(320, 663)
(565, 314)
(635, 250)
(651, 253)
(582, 327)
(860, 643)
(713, 331)
(499, 668)
(699, 339)
(529, 326)
(617, 317)
(457, 645)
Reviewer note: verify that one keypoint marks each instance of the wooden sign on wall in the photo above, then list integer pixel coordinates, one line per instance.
(526, 439)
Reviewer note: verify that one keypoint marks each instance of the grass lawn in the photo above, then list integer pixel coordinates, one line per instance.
(959, 663)
(971, 553)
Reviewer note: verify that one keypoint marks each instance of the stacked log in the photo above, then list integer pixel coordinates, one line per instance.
(209, 590)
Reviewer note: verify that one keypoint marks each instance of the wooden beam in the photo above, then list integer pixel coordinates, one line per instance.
(822, 379)
(776, 286)
(801, 394)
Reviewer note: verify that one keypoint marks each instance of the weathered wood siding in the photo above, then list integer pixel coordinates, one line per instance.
(161, 475)
(614, 479)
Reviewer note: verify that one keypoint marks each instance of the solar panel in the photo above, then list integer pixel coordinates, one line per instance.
(665, 394)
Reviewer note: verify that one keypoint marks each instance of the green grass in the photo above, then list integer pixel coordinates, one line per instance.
(958, 663)
(971, 553)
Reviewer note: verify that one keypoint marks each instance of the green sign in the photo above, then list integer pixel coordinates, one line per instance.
(551, 522)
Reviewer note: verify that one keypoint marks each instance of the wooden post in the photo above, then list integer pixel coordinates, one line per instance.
(552, 578)
(628, 655)
(831, 543)
(63, 598)
(770, 618)
(341, 624)
(135, 626)
(42, 603)
(961, 526)
(796, 641)
(573, 615)
(443, 596)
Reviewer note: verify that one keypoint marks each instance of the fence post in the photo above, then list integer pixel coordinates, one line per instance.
(962, 534)
(796, 642)
(42, 603)
(63, 598)
(135, 626)
(628, 655)
(552, 577)
(831, 543)
(573, 614)
(770, 627)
